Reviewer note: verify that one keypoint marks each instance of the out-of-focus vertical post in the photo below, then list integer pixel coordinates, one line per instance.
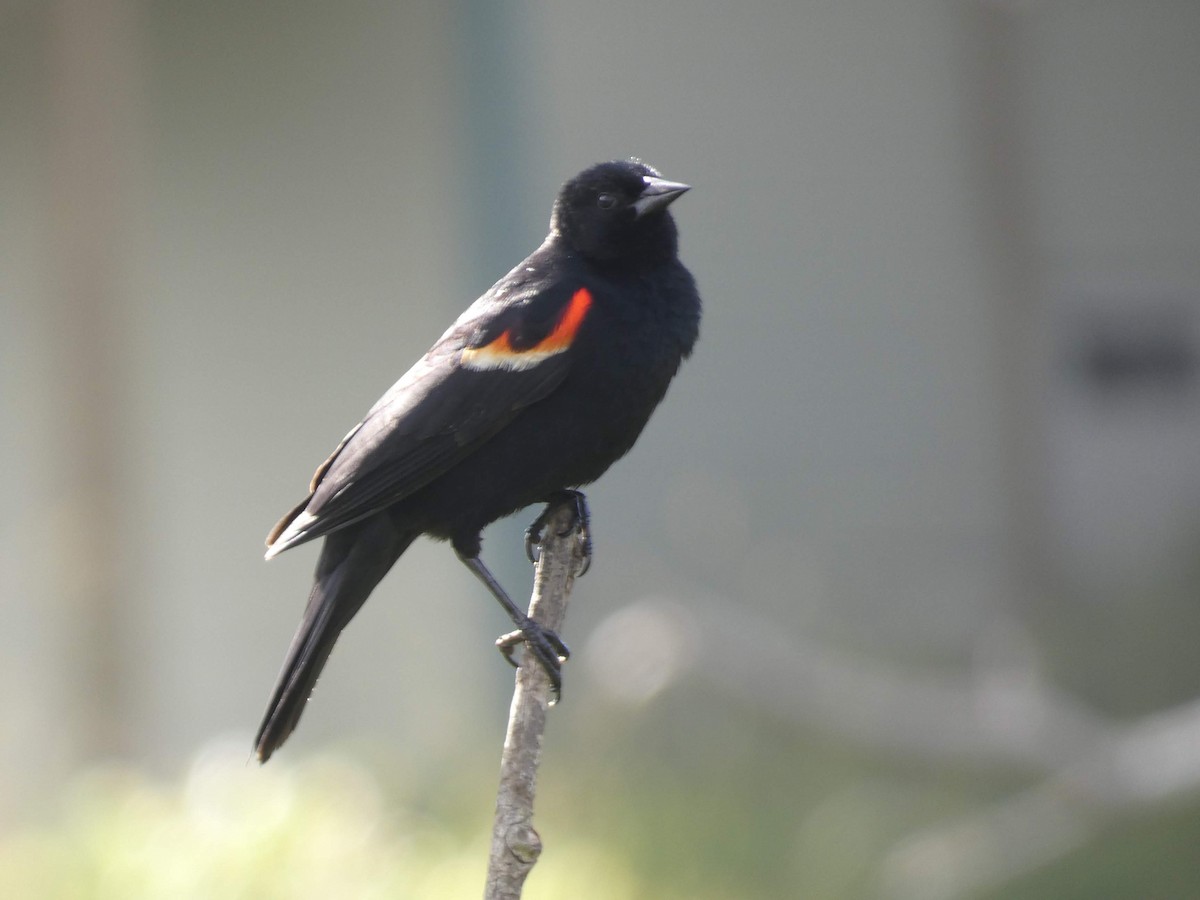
(998, 129)
(92, 70)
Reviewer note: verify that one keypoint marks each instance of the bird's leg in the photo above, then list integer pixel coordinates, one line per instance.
(542, 642)
(583, 521)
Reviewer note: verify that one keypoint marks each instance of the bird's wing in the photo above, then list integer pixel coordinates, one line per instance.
(506, 351)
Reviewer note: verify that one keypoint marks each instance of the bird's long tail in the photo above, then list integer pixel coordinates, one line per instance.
(352, 562)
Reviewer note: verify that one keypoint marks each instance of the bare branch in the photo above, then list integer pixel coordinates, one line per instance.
(516, 845)
(1140, 767)
(1000, 717)
(1087, 770)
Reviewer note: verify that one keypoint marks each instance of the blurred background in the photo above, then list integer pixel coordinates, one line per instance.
(898, 594)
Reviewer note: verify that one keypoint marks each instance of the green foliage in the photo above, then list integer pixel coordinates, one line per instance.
(234, 830)
(1146, 859)
(664, 808)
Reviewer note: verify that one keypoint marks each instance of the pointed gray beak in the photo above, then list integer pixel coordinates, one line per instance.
(658, 194)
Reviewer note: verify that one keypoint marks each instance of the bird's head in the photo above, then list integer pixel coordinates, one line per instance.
(617, 211)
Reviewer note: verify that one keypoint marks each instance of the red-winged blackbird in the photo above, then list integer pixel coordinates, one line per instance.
(543, 383)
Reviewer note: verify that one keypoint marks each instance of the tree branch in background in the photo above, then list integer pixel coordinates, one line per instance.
(1084, 771)
(516, 846)
(1144, 766)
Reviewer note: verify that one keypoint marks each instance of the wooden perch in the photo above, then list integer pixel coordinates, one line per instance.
(516, 845)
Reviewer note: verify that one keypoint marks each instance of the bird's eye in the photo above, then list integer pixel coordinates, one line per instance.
(606, 201)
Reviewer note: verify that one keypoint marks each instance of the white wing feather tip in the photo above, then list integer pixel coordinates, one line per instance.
(287, 537)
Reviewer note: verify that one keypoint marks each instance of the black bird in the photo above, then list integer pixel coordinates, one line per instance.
(543, 383)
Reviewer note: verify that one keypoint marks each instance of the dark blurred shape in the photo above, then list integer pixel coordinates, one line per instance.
(1132, 353)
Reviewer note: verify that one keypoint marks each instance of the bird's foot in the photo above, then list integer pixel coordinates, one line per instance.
(582, 521)
(546, 646)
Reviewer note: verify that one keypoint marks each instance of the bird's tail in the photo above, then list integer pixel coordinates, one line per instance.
(353, 561)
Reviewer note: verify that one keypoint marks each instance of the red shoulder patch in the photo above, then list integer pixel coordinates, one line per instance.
(500, 353)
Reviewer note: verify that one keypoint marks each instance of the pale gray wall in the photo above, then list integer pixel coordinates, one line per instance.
(315, 191)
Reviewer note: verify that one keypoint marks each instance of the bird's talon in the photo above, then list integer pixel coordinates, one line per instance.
(581, 524)
(507, 645)
(533, 543)
(545, 646)
(561, 651)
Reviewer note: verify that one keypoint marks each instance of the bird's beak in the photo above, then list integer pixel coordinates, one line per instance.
(658, 194)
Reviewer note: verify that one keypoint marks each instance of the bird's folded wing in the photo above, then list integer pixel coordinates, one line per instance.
(471, 384)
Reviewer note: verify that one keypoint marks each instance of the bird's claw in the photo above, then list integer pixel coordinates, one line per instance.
(546, 646)
(533, 541)
(582, 522)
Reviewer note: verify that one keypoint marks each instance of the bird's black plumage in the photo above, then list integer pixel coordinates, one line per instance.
(542, 384)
